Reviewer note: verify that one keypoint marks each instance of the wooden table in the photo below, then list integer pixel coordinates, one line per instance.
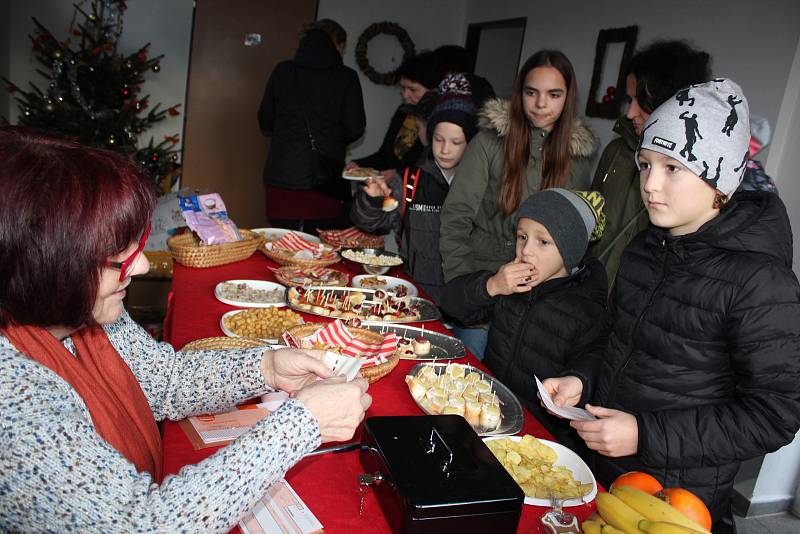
(327, 483)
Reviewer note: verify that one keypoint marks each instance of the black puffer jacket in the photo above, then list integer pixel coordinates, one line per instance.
(539, 332)
(418, 227)
(315, 85)
(704, 349)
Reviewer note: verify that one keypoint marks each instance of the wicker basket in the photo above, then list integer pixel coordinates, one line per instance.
(371, 374)
(283, 259)
(282, 275)
(223, 343)
(187, 250)
(365, 241)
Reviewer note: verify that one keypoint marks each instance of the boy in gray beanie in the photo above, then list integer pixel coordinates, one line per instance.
(700, 367)
(547, 305)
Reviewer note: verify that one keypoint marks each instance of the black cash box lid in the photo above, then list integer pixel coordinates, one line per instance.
(475, 481)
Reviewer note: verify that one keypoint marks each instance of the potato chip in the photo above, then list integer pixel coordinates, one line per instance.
(531, 464)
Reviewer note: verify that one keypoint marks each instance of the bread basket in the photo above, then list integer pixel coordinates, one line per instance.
(371, 374)
(187, 250)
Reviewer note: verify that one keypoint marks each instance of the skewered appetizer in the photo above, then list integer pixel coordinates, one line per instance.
(377, 306)
(456, 390)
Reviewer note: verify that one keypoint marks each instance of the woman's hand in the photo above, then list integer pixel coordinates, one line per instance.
(337, 405)
(513, 277)
(614, 434)
(350, 166)
(565, 390)
(376, 187)
(292, 369)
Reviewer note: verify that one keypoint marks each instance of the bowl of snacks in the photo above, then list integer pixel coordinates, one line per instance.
(259, 323)
(375, 261)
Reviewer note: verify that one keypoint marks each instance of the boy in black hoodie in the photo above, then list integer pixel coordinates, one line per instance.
(546, 306)
(702, 359)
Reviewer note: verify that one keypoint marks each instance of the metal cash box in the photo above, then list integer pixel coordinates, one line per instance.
(433, 474)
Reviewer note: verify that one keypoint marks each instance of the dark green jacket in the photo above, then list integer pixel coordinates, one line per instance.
(617, 178)
(474, 234)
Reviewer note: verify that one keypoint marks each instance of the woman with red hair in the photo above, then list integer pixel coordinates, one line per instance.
(83, 386)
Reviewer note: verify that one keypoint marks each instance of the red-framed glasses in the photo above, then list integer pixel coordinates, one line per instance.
(128, 262)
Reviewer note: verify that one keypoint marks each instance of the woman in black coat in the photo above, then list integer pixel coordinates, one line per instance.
(313, 95)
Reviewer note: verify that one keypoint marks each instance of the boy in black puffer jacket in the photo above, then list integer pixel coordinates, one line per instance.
(702, 359)
(547, 306)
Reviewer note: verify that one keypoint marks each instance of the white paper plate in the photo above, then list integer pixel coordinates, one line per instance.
(255, 284)
(231, 333)
(273, 234)
(360, 178)
(391, 284)
(566, 458)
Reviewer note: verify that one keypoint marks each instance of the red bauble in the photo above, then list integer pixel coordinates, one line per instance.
(607, 99)
(154, 157)
(126, 92)
(611, 90)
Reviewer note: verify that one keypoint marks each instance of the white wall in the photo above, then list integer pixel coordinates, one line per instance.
(166, 25)
(752, 43)
(778, 478)
(429, 24)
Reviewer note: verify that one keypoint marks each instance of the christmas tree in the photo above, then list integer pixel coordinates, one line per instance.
(94, 93)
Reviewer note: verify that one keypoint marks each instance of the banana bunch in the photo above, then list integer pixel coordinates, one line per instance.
(631, 511)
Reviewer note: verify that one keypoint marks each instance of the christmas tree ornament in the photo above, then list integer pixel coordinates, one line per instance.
(57, 54)
(156, 67)
(111, 139)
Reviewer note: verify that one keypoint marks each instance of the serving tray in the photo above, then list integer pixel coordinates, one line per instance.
(427, 309)
(443, 347)
(510, 407)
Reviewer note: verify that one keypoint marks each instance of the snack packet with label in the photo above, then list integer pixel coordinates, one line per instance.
(207, 217)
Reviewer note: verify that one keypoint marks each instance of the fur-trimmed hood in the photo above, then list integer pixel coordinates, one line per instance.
(494, 116)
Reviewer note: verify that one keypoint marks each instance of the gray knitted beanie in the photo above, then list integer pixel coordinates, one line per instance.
(706, 127)
(573, 219)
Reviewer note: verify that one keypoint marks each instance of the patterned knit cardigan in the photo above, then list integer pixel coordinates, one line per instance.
(58, 475)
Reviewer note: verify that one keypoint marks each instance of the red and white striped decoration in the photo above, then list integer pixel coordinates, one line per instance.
(292, 241)
(337, 334)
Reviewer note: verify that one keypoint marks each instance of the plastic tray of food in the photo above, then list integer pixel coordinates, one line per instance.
(419, 344)
(268, 324)
(365, 304)
(388, 283)
(251, 293)
(494, 411)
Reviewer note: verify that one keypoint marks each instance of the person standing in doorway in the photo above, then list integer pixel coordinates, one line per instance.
(312, 109)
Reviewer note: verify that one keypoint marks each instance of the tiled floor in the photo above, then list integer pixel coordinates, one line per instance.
(785, 523)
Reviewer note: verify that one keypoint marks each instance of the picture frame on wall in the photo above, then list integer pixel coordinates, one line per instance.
(607, 103)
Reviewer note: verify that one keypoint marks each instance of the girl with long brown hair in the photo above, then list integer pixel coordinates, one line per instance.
(528, 143)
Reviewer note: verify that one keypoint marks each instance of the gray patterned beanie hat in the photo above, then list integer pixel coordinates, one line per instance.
(707, 128)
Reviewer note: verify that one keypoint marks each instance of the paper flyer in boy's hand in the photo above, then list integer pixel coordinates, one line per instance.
(568, 412)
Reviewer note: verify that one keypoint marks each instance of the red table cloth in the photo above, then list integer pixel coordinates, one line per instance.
(326, 483)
